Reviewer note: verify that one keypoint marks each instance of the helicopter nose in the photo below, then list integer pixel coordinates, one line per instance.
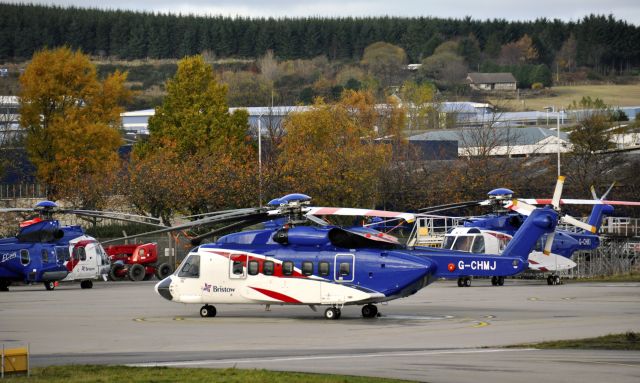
(162, 288)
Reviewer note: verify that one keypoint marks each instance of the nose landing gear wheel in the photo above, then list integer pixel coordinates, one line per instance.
(369, 311)
(467, 282)
(332, 313)
(494, 281)
(460, 282)
(500, 281)
(207, 311)
(86, 284)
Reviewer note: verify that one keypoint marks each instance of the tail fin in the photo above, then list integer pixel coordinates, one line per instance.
(597, 213)
(539, 222)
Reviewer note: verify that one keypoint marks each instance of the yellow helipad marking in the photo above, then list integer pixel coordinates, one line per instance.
(178, 318)
(139, 319)
(480, 324)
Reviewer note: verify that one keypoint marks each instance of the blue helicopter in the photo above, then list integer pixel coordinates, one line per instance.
(552, 252)
(44, 251)
(304, 260)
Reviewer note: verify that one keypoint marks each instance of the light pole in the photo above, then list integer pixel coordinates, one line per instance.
(558, 127)
(260, 159)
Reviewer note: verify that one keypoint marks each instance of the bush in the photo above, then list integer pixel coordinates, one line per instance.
(537, 85)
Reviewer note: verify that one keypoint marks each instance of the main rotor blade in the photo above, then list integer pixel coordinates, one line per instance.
(608, 190)
(548, 243)
(520, 207)
(346, 211)
(240, 214)
(557, 193)
(575, 222)
(196, 241)
(452, 206)
(570, 201)
(593, 192)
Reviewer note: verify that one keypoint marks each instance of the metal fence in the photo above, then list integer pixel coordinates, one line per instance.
(20, 191)
(612, 257)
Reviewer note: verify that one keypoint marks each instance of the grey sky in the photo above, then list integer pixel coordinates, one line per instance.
(628, 10)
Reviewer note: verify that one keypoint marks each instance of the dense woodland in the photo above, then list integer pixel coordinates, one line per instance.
(601, 42)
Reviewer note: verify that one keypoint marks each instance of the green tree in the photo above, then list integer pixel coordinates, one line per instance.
(195, 115)
(384, 60)
(72, 122)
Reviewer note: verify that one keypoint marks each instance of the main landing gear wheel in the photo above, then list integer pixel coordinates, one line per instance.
(369, 311)
(86, 284)
(500, 281)
(332, 313)
(553, 280)
(49, 285)
(464, 282)
(494, 281)
(207, 311)
(4, 286)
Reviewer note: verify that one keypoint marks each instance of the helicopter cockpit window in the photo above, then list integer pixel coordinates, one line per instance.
(448, 242)
(463, 243)
(79, 253)
(190, 267)
(238, 268)
(45, 256)
(24, 257)
(478, 244)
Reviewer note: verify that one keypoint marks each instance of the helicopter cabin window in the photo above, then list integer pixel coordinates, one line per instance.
(478, 244)
(61, 253)
(190, 267)
(503, 243)
(238, 268)
(463, 243)
(448, 242)
(323, 269)
(79, 253)
(345, 268)
(24, 257)
(287, 268)
(45, 256)
(307, 268)
(253, 267)
(267, 268)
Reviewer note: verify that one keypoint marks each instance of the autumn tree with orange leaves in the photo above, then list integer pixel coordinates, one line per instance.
(72, 120)
(333, 154)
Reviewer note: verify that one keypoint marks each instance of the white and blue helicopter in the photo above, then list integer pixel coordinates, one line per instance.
(44, 251)
(553, 252)
(295, 263)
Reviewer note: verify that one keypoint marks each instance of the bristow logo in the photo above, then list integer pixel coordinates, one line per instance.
(8, 256)
(217, 289)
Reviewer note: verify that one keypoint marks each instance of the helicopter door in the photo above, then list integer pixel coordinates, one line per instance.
(343, 268)
(238, 266)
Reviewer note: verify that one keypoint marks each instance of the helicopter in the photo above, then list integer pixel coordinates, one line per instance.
(308, 261)
(44, 251)
(551, 254)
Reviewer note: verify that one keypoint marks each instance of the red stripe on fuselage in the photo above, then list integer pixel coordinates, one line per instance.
(276, 295)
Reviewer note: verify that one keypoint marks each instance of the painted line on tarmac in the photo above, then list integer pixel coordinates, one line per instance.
(259, 360)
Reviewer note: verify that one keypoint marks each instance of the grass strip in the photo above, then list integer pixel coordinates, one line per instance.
(627, 341)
